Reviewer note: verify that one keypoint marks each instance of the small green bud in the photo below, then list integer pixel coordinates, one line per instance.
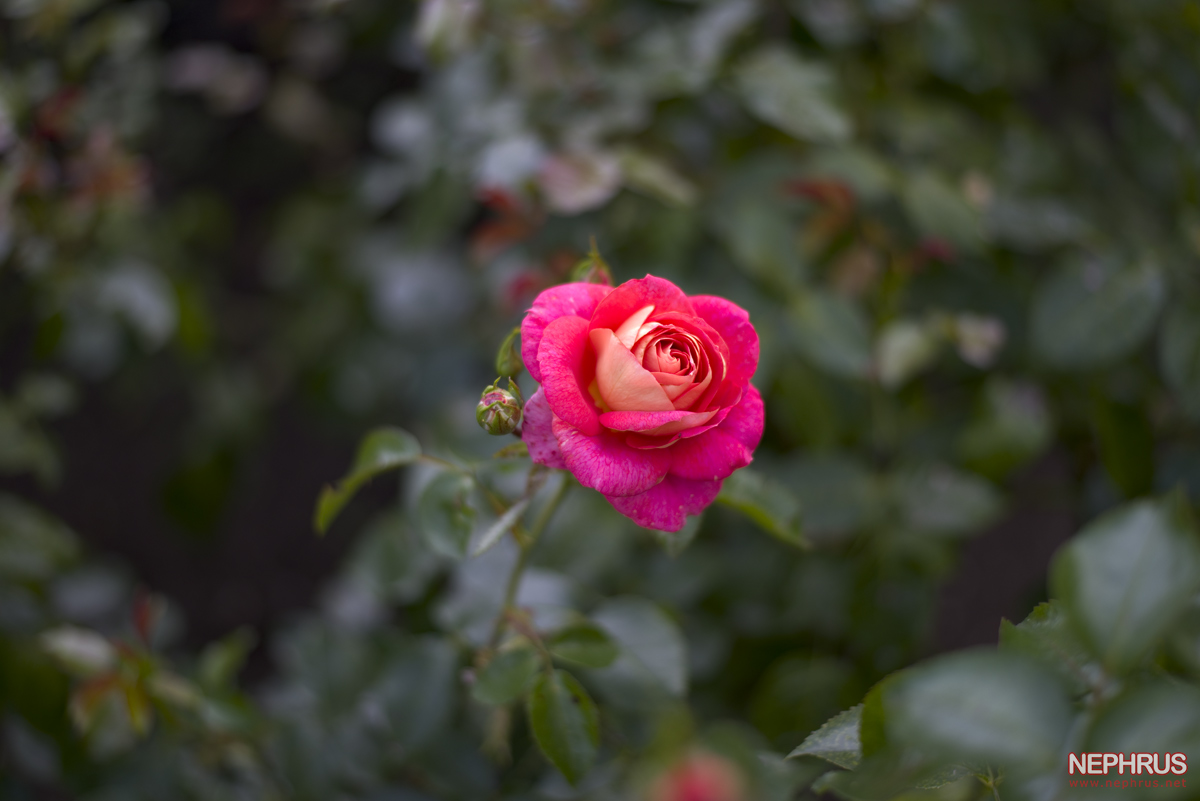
(508, 359)
(592, 268)
(499, 410)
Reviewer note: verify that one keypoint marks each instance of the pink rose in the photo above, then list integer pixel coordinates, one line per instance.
(645, 395)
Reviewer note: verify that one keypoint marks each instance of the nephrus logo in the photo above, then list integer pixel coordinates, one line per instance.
(1136, 769)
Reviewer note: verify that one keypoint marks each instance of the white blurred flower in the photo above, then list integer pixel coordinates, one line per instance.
(145, 299)
(81, 651)
(508, 163)
(580, 181)
(447, 27)
(979, 338)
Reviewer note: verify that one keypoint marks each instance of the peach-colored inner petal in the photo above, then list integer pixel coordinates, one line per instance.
(624, 384)
(628, 332)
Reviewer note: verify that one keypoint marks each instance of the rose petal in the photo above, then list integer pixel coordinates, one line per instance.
(627, 332)
(566, 373)
(644, 421)
(623, 383)
(606, 464)
(537, 432)
(732, 322)
(633, 295)
(716, 453)
(576, 300)
(667, 505)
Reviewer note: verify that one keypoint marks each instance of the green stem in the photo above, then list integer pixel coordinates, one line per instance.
(431, 459)
(526, 546)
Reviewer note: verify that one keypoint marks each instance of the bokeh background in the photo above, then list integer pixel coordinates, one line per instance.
(237, 234)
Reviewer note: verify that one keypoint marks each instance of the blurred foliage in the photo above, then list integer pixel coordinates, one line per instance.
(968, 235)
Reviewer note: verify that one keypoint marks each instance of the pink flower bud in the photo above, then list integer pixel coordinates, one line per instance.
(498, 411)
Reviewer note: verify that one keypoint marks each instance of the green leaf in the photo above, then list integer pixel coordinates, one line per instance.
(941, 500)
(906, 348)
(1159, 716)
(1126, 444)
(1013, 426)
(496, 530)
(940, 211)
(791, 94)
(1179, 355)
(507, 677)
(836, 741)
(1047, 635)
(508, 357)
(585, 645)
(979, 707)
(768, 504)
(1125, 578)
(446, 515)
(675, 542)
(1091, 313)
(221, 660)
(833, 333)
(33, 545)
(652, 645)
(655, 177)
(382, 450)
(565, 723)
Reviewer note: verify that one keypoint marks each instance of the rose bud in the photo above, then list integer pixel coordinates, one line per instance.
(592, 268)
(645, 394)
(700, 777)
(498, 411)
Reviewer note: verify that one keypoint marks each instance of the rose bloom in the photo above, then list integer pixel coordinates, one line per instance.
(645, 396)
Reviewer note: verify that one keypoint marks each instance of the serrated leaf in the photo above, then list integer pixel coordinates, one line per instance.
(507, 677)
(496, 530)
(565, 723)
(791, 94)
(979, 706)
(1091, 313)
(1126, 577)
(382, 450)
(446, 514)
(771, 506)
(837, 741)
(585, 645)
(1046, 634)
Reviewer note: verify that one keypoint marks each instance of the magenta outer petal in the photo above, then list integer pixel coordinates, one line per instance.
(666, 506)
(537, 431)
(745, 421)
(732, 322)
(607, 465)
(716, 453)
(636, 294)
(561, 357)
(574, 300)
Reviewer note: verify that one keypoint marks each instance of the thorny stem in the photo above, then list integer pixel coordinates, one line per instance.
(514, 578)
